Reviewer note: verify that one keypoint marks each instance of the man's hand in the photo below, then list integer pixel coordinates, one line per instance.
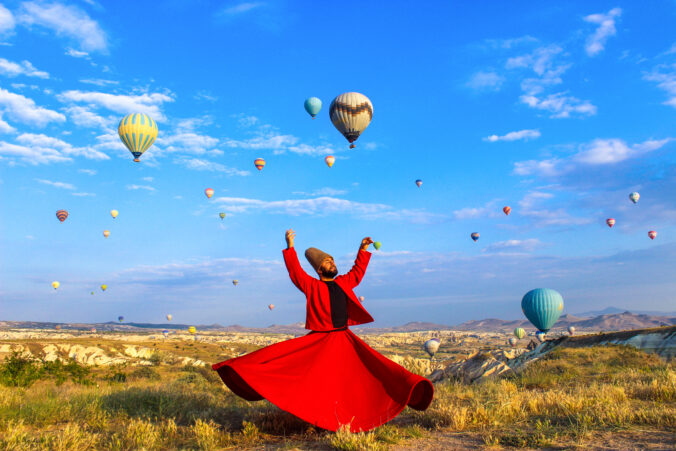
(365, 243)
(290, 235)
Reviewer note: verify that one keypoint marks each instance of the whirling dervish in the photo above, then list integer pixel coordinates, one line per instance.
(329, 377)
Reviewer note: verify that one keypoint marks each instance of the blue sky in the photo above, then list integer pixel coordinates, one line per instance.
(558, 110)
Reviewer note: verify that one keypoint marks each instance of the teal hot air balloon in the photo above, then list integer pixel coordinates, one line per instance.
(312, 106)
(542, 307)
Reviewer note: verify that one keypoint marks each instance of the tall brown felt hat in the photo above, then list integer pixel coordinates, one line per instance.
(316, 257)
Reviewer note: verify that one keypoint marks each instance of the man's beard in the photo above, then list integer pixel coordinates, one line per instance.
(330, 273)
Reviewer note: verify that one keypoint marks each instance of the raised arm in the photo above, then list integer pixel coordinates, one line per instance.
(299, 277)
(355, 275)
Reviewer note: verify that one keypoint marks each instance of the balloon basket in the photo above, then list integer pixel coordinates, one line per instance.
(136, 160)
(352, 146)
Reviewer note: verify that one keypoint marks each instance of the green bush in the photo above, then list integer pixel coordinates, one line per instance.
(19, 371)
(145, 372)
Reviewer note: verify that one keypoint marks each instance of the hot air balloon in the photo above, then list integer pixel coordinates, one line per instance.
(652, 234)
(235, 282)
(519, 333)
(61, 215)
(192, 330)
(542, 307)
(104, 287)
(259, 163)
(57, 327)
(351, 113)
(165, 332)
(114, 213)
(106, 233)
(209, 192)
(55, 284)
(610, 222)
(377, 245)
(168, 317)
(313, 105)
(507, 209)
(138, 133)
(634, 197)
(571, 330)
(222, 215)
(541, 336)
(361, 298)
(330, 160)
(271, 306)
(93, 330)
(418, 183)
(475, 236)
(431, 346)
(512, 342)
(92, 293)
(120, 318)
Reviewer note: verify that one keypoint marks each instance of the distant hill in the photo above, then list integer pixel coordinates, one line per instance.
(615, 321)
(611, 310)
(605, 322)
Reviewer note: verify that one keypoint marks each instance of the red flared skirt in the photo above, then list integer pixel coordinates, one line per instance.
(328, 379)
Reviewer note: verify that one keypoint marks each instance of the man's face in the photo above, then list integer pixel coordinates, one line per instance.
(328, 268)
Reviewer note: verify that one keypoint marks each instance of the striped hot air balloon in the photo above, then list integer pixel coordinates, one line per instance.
(519, 332)
(610, 222)
(138, 132)
(209, 192)
(475, 236)
(652, 234)
(351, 113)
(542, 307)
(259, 163)
(61, 215)
(222, 215)
(330, 160)
(507, 210)
(634, 197)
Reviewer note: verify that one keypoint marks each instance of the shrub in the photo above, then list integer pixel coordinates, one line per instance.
(19, 371)
(145, 372)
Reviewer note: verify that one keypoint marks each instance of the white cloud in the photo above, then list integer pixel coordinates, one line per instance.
(5, 127)
(484, 80)
(324, 206)
(69, 21)
(12, 69)
(665, 81)
(138, 187)
(204, 95)
(306, 149)
(147, 179)
(610, 151)
(560, 105)
(595, 153)
(83, 117)
(99, 81)
(76, 53)
(530, 206)
(509, 43)
(546, 168)
(7, 21)
(488, 210)
(246, 120)
(540, 60)
(606, 28)
(56, 184)
(87, 171)
(241, 8)
(514, 136)
(49, 143)
(32, 155)
(84, 194)
(197, 164)
(190, 142)
(511, 246)
(23, 109)
(269, 141)
(144, 103)
(326, 191)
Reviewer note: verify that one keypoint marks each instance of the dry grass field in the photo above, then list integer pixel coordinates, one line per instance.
(609, 397)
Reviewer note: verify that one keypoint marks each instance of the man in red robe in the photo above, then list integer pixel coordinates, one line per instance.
(329, 377)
